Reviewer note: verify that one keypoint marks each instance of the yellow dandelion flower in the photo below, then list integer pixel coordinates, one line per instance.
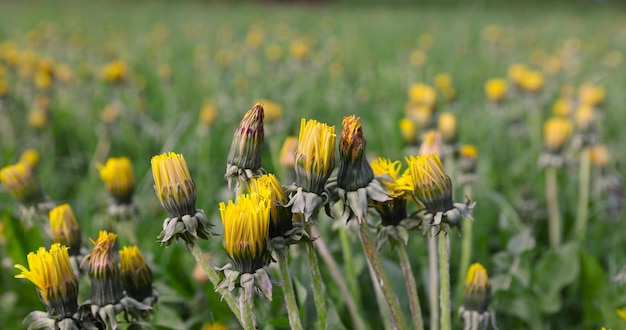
(421, 115)
(431, 143)
(38, 118)
(299, 49)
(20, 181)
(134, 272)
(418, 58)
(562, 107)
(273, 52)
(173, 184)
(208, 112)
(495, 89)
(215, 326)
(584, 118)
(315, 155)
(591, 95)
(532, 81)
(115, 71)
(556, 131)
(64, 228)
(422, 94)
(287, 152)
(117, 175)
(477, 289)
(599, 155)
(30, 157)
(280, 217)
(447, 127)
(468, 151)
(432, 186)
(408, 131)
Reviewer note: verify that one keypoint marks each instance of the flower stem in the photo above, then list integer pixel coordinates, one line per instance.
(318, 284)
(584, 176)
(466, 246)
(444, 276)
(381, 277)
(214, 277)
(552, 198)
(335, 273)
(349, 265)
(290, 297)
(433, 280)
(416, 310)
(245, 306)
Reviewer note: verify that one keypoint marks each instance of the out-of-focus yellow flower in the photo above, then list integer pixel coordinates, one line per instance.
(287, 153)
(135, 275)
(516, 73)
(613, 59)
(272, 111)
(599, 155)
(208, 112)
(114, 72)
(43, 80)
(118, 178)
(273, 52)
(562, 107)
(556, 131)
(21, 183)
(110, 113)
(164, 71)
(64, 73)
(495, 89)
(4, 87)
(408, 130)
(621, 312)
(591, 95)
(64, 228)
(246, 231)
(477, 289)
(552, 64)
(532, 81)
(215, 326)
(443, 82)
(30, 157)
(431, 143)
(425, 40)
(335, 69)
(421, 115)
(584, 118)
(56, 283)
(492, 33)
(38, 118)
(299, 49)
(468, 151)
(422, 94)
(447, 127)
(417, 58)
(254, 38)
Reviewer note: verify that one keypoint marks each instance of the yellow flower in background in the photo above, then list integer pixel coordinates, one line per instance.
(110, 113)
(492, 33)
(299, 49)
(56, 283)
(516, 73)
(447, 126)
(273, 52)
(215, 326)
(421, 115)
(425, 40)
(64, 228)
(173, 184)
(591, 95)
(43, 80)
(613, 59)
(114, 72)
(254, 38)
(532, 81)
(315, 155)
(495, 89)
(408, 131)
(4, 87)
(422, 94)
(418, 58)
(30, 157)
(477, 289)
(443, 82)
(621, 312)
(562, 107)
(287, 152)
(556, 131)
(431, 143)
(64, 73)
(135, 275)
(246, 231)
(208, 112)
(552, 64)
(599, 155)
(468, 151)
(20, 181)
(273, 110)
(118, 178)
(38, 118)
(584, 118)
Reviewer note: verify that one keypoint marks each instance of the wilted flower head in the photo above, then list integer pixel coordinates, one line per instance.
(447, 127)
(177, 193)
(244, 158)
(556, 131)
(52, 274)
(280, 216)
(64, 228)
(20, 181)
(117, 175)
(135, 275)
(495, 89)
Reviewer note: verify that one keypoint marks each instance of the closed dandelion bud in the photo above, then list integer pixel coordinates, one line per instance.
(246, 231)
(287, 152)
(354, 170)
(408, 130)
(422, 94)
(315, 155)
(447, 127)
(244, 158)
(556, 131)
(272, 111)
(64, 228)
(20, 181)
(477, 289)
(135, 275)
(57, 285)
(117, 175)
(432, 186)
(495, 89)
(280, 216)
(30, 157)
(532, 81)
(106, 288)
(599, 155)
(468, 158)
(584, 118)
(562, 107)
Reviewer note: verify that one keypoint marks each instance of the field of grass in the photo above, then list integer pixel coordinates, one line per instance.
(323, 62)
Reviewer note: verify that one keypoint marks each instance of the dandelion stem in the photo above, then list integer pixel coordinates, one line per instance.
(466, 246)
(349, 265)
(433, 280)
(383, 309)
(245, 307)
(381, 277)
(318, 284)
(416, 310)
(584, 176)
(214, 277)
(444, 276)
(335, 273)
(290, 297)
(552, 198)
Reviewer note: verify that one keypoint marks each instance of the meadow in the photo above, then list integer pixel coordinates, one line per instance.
(84, 81)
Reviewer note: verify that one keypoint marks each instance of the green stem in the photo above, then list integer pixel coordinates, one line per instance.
(380, 301)
(414, 301)
(433, 280)
(290, 297)
(552, 198)
(381, 277)
(245, 306)
(466, 247)
(584, 177)
(214, 277)
(318, 284)
(444, 277)
(346, 250)
(338, 278)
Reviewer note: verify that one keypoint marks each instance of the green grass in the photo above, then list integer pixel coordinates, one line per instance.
(373, 46)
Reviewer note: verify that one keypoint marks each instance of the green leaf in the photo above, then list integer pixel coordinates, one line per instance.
(521, 242)
(554, 271)
(593, 285)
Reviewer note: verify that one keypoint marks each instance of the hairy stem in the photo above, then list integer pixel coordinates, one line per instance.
(381, 277)
(433, 280)
(584, 177)
(444, 276)
(290, 297)
(349, 265)
(318, 284)
(245, 306)
(414, 301)
(466, 247)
